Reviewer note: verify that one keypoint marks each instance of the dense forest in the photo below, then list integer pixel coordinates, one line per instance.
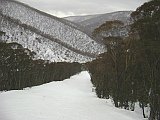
(130, 71)
(18, 69)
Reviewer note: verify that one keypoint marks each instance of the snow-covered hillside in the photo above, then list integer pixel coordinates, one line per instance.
(44, 48)
(93, 21)
(38, 25)
(71, 99)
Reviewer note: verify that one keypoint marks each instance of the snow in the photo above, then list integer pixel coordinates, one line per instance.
(44, 48)
(71, 99)
(36, 24)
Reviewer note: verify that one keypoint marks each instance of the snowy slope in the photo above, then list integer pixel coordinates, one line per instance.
(45, 48)
(60, 31)
(70, 99)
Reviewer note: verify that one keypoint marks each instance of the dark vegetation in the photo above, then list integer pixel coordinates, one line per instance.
(107, 26)
(18, 69)
(114, 28)
(130, 71)
(2, 33)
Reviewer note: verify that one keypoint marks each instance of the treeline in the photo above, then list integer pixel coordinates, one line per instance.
(130, 71)
(18, 69)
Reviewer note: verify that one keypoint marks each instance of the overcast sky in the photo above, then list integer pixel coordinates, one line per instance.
(63, 8)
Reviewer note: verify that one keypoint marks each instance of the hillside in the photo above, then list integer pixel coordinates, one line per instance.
(51, 38)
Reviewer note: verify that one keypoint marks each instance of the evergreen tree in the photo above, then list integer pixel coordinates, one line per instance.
(18, 69)
(147, 26)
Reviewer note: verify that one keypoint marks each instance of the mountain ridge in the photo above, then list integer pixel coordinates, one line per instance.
(90, 16)
(98, 19)
(91, 23)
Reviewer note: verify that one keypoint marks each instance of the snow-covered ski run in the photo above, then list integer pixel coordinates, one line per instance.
(71, 99)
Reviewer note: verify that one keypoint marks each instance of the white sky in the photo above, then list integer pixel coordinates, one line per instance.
(63, 8)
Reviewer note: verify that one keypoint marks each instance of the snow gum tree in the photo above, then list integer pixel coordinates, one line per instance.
(129, 71)
(147, 25)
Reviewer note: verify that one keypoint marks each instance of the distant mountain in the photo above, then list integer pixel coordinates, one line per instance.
(91, 22)
(79, 19)
(51, 38)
